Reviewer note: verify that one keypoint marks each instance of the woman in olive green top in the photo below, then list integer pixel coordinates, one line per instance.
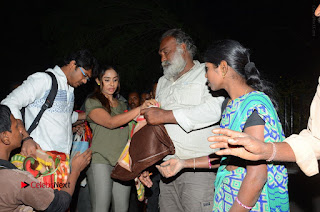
(105, 114)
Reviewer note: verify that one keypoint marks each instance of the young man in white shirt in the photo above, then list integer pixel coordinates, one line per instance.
(54, 132)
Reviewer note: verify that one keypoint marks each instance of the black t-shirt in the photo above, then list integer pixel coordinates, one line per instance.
(253, 120)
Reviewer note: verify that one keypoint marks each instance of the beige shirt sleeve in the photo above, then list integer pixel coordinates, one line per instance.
(306, 145)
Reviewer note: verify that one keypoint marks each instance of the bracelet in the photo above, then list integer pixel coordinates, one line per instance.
(209, 161)
(274, 151)
(26, 138)
(194, 164)
(243, 205)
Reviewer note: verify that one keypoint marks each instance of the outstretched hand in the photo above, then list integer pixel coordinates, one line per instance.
(145, 179)
(81, 161)
(170, 167)
(238, 144)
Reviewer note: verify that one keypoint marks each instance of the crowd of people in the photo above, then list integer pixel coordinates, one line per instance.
(238, 172)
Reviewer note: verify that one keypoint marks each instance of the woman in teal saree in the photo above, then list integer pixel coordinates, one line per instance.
(242, 185)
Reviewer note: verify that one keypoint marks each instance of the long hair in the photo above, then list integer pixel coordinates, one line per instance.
(238, 57)
(97, 94)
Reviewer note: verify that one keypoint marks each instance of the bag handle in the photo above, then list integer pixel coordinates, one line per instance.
(47, 104)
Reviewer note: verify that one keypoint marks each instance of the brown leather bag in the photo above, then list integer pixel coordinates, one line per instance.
(148, 145)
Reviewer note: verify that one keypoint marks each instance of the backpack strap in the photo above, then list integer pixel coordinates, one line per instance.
(47, 104)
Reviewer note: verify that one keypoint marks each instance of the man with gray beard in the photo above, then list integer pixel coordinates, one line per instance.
(189, 113)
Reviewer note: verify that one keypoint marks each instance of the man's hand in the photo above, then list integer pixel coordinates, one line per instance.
(156, 116)
(79, 129)
(170, 167)
(29, 147)
(239, 144)
(145, 179)
(81, 161)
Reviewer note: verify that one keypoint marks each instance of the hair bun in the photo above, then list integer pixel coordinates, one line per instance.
(249, 66)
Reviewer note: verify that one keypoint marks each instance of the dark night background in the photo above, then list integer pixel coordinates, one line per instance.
(283, 37)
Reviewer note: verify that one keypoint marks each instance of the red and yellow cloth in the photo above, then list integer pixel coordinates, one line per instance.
(49, 167)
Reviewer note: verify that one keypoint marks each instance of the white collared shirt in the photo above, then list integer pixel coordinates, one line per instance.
(195, 110)
(54, 132)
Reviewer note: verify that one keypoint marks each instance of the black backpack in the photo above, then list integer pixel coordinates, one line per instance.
(47, 104)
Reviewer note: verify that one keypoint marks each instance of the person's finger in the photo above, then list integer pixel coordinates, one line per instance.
(87, 157)
(153, 102)
(218, 138)
(77, 154)
(166, 163)
(240, 141)
(228, 132)
(219, 145)
(145, 173)
(38, 146)
(23, 152)
(87, 152)
(148, 102)
(143, 111)
(224, 152)
(141, 179)
(30, 151)
(147, 182)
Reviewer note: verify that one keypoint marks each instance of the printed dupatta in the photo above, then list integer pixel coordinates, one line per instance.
(274, 196)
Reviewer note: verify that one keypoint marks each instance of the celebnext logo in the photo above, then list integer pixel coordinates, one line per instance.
(45, 185)
(24, 184)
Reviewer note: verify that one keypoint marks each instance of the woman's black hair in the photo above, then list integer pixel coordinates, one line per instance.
(97, 94)
(238, 57)
(5, 122)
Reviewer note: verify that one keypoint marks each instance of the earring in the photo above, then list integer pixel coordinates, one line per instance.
(224, 72)
(98, 83)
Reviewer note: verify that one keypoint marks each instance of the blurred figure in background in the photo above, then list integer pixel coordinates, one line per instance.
(133, 100)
